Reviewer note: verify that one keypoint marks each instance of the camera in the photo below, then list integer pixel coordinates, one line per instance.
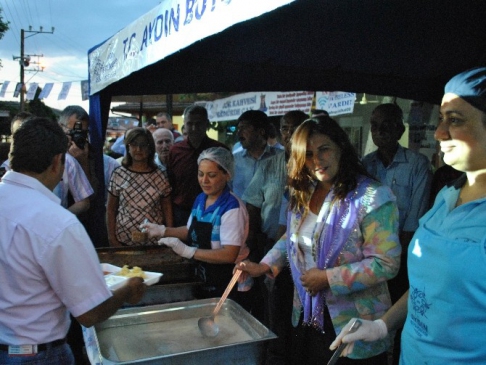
(78, 135)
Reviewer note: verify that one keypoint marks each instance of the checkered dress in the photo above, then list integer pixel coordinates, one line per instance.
(139, 195)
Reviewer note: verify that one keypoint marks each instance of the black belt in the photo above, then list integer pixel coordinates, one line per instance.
(42, 346)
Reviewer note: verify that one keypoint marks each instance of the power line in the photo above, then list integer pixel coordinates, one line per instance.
(27, 11)
(13, 22)
(50, 11)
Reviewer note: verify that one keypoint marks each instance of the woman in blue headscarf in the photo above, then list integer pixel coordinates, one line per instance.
(444, 310)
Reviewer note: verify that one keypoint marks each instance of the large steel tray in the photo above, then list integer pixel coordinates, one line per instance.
(168, 334)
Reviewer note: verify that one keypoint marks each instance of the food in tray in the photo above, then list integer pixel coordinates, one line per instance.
(131, 273)
(139, 237)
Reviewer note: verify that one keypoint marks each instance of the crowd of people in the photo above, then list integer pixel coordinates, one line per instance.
(323, 237)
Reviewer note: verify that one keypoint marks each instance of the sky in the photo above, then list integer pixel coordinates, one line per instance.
(78, 26)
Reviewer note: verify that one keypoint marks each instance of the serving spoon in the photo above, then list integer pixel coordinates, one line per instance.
(206, 325)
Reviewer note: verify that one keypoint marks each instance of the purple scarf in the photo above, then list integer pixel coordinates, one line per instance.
(335, 223)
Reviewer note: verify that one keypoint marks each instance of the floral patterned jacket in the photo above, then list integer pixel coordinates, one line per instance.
(369, 257)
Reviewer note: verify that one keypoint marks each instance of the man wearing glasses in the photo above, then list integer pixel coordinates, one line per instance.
(74, 121)
(74, 181)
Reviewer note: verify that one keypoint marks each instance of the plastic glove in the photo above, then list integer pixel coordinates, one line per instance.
(153, 230)
(368, 331)
(178, 247)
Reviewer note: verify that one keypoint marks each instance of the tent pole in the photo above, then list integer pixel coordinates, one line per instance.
(168, 102)
(140, 111)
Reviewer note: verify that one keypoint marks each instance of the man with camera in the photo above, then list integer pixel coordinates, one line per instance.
(74, 120)
(73, 182)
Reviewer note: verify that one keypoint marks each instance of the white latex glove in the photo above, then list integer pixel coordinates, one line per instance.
(368, 331)
(178, 247)
(153, 230)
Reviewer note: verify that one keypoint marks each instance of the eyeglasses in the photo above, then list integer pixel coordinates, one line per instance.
(142, 146)
(65, 129)
(71, 131)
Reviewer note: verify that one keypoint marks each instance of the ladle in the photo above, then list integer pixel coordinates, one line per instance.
(206, 325)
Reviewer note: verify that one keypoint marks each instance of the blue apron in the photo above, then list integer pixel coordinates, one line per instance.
(446, 322)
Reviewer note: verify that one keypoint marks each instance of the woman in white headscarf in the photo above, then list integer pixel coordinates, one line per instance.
(217, 229)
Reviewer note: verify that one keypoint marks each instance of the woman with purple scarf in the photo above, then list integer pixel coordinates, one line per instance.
(341, 244)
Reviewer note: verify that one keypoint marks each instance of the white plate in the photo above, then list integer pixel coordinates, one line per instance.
(115, 281)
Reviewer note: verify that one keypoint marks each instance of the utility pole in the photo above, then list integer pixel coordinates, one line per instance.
(22, 63)
(25, 60)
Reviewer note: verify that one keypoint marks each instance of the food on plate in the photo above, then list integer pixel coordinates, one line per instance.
(132, 273)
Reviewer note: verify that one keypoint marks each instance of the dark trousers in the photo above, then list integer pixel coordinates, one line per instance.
(61, 355)
(76, 342)
(397, 287)
(280, 301)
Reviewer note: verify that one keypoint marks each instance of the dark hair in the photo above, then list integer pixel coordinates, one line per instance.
(35, 143)
(70, 110)
(164, 114)
(296, 117)
(319, 112)
(257, 119)
(350, 165)
(394, 114)
(196, 110)
(22, 117)
(272, 131)
(130, 137)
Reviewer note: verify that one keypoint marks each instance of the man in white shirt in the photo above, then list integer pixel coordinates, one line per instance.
(74, 180)
(48, 265)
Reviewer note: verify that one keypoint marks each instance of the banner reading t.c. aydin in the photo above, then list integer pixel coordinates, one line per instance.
(169, 27)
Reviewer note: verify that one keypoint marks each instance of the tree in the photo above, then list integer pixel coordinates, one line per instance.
(12, 108)
(3, 29)
(35, 106)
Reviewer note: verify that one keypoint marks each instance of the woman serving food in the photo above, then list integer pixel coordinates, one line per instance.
(217, 228)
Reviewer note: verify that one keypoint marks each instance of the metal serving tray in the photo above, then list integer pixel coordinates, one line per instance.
(168, 334)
